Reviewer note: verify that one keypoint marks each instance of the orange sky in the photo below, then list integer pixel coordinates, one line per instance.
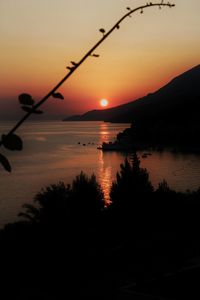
(39, 38)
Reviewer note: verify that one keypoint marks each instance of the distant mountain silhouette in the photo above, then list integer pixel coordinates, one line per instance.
(178, 100)
(167, 117)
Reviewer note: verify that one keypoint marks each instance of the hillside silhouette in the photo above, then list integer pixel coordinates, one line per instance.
(169, 116)
(180, 97)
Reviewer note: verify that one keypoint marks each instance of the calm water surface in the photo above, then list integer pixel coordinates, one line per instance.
(52, 153)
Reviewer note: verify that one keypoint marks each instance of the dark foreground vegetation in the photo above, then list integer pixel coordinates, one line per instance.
(69, 245)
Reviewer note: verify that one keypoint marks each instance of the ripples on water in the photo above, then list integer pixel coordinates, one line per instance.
(52, 153)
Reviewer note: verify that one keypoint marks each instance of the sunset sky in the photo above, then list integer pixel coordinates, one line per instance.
(39, 38)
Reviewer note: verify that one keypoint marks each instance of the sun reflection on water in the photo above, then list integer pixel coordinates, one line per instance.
(104, 133)
(105, 177)
(104, 170)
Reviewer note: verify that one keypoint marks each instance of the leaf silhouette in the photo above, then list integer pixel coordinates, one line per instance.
(12, 142)
(102, 30)
(95, 55)
(58, 96)
(30, 110)
(26, 99)
(70, 68)
(5, 163)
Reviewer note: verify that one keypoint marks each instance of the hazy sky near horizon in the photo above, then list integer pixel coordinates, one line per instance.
(39, 38)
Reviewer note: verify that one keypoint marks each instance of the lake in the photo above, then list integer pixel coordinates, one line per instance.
(58, 151)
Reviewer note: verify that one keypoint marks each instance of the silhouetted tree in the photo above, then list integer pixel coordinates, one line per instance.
(164, 191)
(86, 197)
(132, 184)
(50, 205)
(59, 203)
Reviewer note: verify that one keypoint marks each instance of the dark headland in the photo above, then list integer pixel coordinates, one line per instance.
(177, 97)
(168, 116)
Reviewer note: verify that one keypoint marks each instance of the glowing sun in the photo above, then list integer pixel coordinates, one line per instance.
(104, 102)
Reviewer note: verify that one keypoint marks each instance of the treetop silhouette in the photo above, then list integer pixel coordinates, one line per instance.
(132, 183)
